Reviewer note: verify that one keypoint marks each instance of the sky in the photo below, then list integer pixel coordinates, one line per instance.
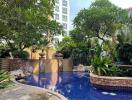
(77, 5)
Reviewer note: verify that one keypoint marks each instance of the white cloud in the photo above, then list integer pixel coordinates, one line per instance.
(122, 3)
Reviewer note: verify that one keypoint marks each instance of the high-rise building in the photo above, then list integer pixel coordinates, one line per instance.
(61, 14)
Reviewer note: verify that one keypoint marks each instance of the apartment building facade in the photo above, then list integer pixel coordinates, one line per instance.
(61, 14)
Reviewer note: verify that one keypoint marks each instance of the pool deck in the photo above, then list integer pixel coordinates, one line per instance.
(18, 92)
(26, 92)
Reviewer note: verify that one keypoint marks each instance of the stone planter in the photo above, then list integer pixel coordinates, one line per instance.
(111, 83)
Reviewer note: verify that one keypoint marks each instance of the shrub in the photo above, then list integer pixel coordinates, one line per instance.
(21, 54)
(124, 52)
(66, 46)
(100, 65)
(4, 79)
(4, 53)
(81, 56)
(66, 51)
(127, 73)
(114, 71)
(77, 48)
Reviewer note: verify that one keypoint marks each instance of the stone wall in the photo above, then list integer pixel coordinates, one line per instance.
(50, 65)
(15, 64)
(67, 64)
(110, 82)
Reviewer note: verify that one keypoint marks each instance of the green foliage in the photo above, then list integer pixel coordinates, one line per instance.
(21, 54)
(78, 36)
(100, 65)
(24, 23)
(115, 71)
(4, 51)
(78, 50)
(4, 78)
(66, 46)
(97, 48)
(104, 66)
(124, 49)
(101, 20)
(127, 73)
(110, 48)
(81, 54)
(124, 52)
(124, 36)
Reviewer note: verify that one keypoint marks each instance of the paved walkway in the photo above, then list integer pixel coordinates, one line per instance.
(19, 92)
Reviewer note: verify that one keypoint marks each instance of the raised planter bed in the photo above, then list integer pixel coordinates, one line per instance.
(111, 83)
(125, 66)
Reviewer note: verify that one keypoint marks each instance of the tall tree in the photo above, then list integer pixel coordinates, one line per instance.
(24, 22)
(101, 20)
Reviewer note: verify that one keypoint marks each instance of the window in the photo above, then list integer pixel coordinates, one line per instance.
(57, 1)
(57, 8)
(64, 25)
(64, 10)
(64, 3)
(64, 17)
(56, 16)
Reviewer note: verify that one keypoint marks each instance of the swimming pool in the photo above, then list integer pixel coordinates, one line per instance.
(75, 86)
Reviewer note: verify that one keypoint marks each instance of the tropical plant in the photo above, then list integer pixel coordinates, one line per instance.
(4, 78)
(100, 65)
(110, 48)
(124, 53)
(115, 71)
(81, 53)
(103, 66)
(124, 36)
(97, 48)
(66, 46)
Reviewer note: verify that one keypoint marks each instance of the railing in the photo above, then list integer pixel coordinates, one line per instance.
(125, 66)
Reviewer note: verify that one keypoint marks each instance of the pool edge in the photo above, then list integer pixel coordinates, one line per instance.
(61, 97)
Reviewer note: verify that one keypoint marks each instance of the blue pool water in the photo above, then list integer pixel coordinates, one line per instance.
(75, 86)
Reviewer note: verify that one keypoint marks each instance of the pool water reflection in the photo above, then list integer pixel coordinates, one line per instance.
(75, 86)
